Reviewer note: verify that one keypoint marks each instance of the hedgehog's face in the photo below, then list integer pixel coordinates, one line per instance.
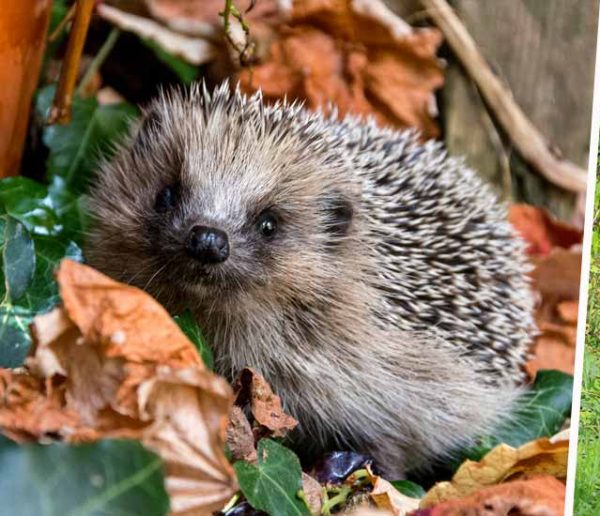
(201, 219)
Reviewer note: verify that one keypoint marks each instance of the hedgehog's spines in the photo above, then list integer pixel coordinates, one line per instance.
(407, 326)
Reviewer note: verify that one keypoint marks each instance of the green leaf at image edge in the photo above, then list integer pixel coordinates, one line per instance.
(106, 477)
(542, 411)
(273, 483)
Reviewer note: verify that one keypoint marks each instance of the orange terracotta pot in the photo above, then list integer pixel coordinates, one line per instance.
(23, 28)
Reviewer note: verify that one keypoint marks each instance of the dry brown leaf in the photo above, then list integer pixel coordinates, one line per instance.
(568, 312)
(313, 493)
(540, 496)
(542, 231)
(551, 353)
(556, 279)
(240, 438)
(112, 363)
(388, 498)
(357, 55)
(252, 389)
(539, 457)
(553, 248)
(188, 413)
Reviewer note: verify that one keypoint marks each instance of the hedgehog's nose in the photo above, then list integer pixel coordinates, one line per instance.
(208, 245)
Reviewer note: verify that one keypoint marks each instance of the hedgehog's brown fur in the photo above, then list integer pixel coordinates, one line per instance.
(390, 311)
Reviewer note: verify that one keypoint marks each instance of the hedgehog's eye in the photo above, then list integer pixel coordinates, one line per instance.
(267, 223)
(167, 198)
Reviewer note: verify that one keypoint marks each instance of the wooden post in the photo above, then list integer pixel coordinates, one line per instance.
(23, 28)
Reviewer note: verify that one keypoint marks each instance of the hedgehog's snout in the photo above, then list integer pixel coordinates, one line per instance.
(207, 245)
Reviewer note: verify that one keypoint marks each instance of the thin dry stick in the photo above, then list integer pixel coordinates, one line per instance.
(530, 143)
(61, 107)
(63, 23)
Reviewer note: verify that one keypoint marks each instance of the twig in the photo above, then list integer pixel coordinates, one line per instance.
(246, 52)
(100, 57)
(530, 143)
(62, 24)
(61, 107)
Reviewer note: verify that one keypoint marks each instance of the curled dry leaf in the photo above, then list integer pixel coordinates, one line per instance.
(541, 231)
(240, 438)
(544, 496)
(253, 390)
(357, 55)
(539, 457)
(387, 497)
(112, 363)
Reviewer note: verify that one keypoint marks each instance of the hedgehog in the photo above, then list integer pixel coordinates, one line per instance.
(371, 278)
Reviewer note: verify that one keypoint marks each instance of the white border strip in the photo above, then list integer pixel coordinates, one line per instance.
(583, 287)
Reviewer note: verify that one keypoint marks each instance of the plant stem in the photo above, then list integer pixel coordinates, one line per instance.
(62, 24)
(336, 500)
(100, 57)
(61, 107)
(245, 52)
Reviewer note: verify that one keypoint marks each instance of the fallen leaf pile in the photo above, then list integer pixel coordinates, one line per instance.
(356, 54)
(112, 363)
(504, 463)
(542, 495)
(554, 249)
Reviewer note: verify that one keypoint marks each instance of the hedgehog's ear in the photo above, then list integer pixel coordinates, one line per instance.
(339, 212)
(146, 132)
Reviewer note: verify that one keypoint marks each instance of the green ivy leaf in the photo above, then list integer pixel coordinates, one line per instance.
(107, 477)
(272, 485)
(92, 133)
(542, 413)
(408, 488)
(43, 210)
(37, 230)
(189, 326)
(18, 258)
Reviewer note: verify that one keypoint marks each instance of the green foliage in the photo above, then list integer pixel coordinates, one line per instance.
(37, 229)
(541, 413)
(107, 477)
(189, 326)
(40, 225)
(408, 488)
(75, 148)
(587, 480)
(272, 485)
